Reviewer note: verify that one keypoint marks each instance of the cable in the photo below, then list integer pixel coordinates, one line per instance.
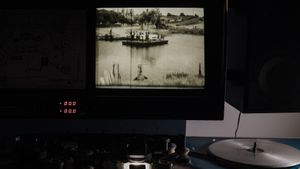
(237, 125)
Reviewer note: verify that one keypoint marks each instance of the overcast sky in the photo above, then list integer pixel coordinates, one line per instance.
(164, 11)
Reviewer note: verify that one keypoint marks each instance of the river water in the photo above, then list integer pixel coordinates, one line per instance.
(176, 64)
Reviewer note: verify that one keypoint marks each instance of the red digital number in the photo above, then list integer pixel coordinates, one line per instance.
(65, 111)
(74, 111)
(74, 103)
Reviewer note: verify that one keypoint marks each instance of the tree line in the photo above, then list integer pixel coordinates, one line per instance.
(109, 17)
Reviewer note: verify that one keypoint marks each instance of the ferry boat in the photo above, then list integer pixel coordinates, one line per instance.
(144, 39)
(138, 43)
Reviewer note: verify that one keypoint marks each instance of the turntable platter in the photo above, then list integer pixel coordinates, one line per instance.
(256, 152)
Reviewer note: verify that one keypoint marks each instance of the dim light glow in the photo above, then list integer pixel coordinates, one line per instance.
(127, 165)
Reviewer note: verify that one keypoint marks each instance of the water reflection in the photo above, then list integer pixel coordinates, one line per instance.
(177, 64)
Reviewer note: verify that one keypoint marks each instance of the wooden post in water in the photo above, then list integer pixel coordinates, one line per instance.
(116, 73)
(200, 75)
(119, 76)
(140, 76)
(113, 72)
(140, 69)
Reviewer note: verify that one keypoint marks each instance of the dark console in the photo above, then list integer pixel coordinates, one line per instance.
(93, 151)
(123, 151)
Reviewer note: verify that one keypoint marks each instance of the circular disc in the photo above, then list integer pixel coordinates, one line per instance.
(256, 152)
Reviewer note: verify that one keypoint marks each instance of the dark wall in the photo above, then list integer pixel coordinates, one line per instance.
(263, 56)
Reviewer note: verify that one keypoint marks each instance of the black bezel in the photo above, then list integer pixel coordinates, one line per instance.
(203, 104)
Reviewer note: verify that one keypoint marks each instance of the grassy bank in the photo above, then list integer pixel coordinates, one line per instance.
(186, 31)
(191, 21)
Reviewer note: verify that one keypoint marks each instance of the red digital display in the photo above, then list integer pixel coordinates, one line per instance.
(68, 107)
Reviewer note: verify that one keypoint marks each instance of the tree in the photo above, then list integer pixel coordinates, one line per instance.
(158, 23)
(107, 18)
(142, 19)
(182, 14)
(150, 17)
(131, 16)
(157, 20)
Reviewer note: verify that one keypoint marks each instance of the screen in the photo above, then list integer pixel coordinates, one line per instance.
(150, 48)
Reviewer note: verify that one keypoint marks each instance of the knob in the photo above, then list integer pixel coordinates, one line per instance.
(171, 155)
(183, 157)
(172, 149)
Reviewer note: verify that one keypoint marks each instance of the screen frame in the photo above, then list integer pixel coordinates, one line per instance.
(205, 104)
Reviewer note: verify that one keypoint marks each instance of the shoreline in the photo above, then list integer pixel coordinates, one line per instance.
(165, 31)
